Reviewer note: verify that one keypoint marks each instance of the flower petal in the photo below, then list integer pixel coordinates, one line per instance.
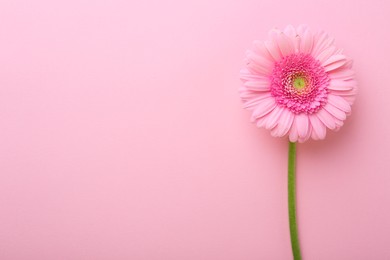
(258, 97)
(344, 74)
(273, 50)
(302, 28)
(335, 65)
(273, 117)
(339, 102)
(314, 135)
(322, 41)
(319, 129)
(349, 96)
(283, 42)
(334, 58)
(326, 118)
(257, 68)
(302, 123)
(284, 124)
(247, 95)
(306, 43)
(293, 134)
(290, 31)
(261, 121)
(304, 139)
(336, 84)
(337, 113)
(245, 74)
(258, 85)
(264, 64)
(339, 123)
(260, 49)
(334, 62)
(326, 53)
(293, 35)
(350, 99)
(263, 108)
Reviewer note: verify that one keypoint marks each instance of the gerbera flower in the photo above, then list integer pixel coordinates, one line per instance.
(297, 83)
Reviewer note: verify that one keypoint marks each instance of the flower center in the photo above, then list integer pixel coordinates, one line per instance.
(299, 83)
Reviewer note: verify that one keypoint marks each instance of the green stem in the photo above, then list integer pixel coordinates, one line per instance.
(291, 202)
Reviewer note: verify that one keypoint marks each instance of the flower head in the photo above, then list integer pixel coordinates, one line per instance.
(298, 83)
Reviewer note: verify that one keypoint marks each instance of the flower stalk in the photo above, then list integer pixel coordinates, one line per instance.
(292, 201)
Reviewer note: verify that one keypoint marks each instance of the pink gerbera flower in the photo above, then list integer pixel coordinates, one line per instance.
(298, 84)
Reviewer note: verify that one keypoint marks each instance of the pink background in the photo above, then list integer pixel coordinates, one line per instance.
(122, 135)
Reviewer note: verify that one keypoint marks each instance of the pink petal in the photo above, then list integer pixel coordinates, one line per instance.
(245, 74)
(273, 117)
(350, 99)
(314, 135)
(339, 123)
(334, 58)
(273, 49)
(339, 102)
(304, 139)
(337, 84)
(337, 113)
(259, 47)
(251, 103)
(306, 42)
(293, 35)
(247, 95)
(284, 124)
(326, 53)
(263, 107)
(343, 93)
(293, 134)
(258, 85)
(302, 123)
(261, 121)
(322, 41)
(260, 61)
(285, 44)
(302, 28)
(290, 31)
(339, 51)
(319, 129)
(257, 68)
(344, 74)
(349, 96)
(326, 118)
(334, 62)
(349, 64)
(335, 65)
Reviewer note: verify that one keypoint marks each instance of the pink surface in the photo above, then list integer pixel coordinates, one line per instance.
(123, 137)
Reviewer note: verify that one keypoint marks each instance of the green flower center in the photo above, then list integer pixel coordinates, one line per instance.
(299, 83)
